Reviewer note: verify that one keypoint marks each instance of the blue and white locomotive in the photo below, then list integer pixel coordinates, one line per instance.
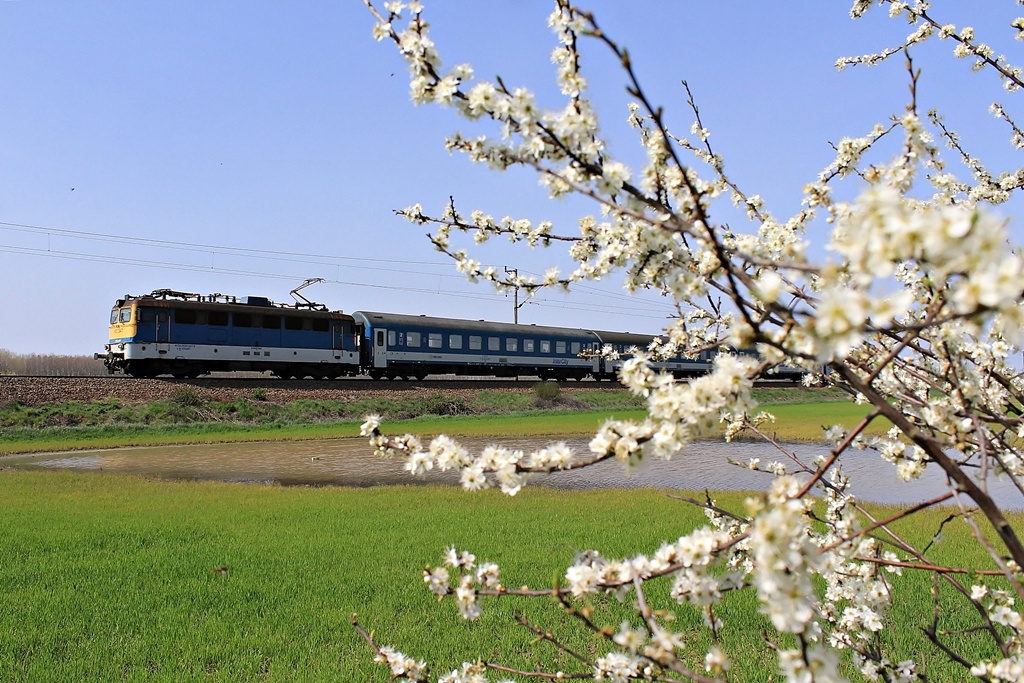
(187, 335)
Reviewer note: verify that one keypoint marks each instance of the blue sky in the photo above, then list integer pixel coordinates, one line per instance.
(241, 147)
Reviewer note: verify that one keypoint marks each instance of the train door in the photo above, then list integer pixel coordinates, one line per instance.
(337, 336)
(163, 326)
(380, 348)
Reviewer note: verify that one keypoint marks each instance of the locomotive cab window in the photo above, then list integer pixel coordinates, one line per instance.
(126, 315)
(185, 316)
(114, 315)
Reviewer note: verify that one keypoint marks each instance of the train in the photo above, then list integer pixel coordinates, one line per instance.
(187, 335)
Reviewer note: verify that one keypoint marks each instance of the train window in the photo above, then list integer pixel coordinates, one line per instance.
(434, 340)
(271, 322)
(126, 315)
(380, 337)
(545, 346)
(145, 315)
(454, 341)
(113, 316)
(575, 348)
(321, 324)
(184, 316)
(200, 317)
(511, 344)
(392, 338)
(475, 343)
(528, 346)
(412, 339)
(494, 343)
(560, 347)
(218, 318)
(292, 322)
(243, 320)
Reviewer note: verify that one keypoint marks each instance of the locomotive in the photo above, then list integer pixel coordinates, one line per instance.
(187, 335)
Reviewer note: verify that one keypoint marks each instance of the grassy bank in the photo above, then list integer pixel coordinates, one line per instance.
(187, 418)
(108, 577)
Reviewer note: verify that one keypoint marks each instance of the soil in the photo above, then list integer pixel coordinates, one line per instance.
(33, 391)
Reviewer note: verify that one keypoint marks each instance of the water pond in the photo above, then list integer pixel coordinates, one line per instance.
(350, 462)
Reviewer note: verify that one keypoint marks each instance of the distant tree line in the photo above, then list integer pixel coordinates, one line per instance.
(54, 365)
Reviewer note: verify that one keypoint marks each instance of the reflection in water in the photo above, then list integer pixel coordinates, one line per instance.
(350, 462)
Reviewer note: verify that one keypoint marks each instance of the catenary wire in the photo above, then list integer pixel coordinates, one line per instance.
(269, 254)
(631, 311)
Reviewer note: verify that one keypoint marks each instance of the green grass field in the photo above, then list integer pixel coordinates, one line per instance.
(107, 577)
(796, 422)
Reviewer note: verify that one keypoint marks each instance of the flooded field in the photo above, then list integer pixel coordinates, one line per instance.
(350, 462)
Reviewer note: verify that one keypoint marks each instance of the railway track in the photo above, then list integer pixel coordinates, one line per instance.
(354, 383)
(357, 383)
(36, 390)
(32, 391)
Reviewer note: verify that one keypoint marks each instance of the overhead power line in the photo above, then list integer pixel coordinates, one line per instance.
(277, 255)
(175, 244)
(633, 310)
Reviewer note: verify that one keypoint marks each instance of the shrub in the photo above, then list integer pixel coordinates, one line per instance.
(186, 396)
(440, 404)
(547, 392)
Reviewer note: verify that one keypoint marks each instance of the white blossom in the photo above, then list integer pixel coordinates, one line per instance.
(911, 303)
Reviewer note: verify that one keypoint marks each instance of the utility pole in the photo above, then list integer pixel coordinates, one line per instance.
(515, 301)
